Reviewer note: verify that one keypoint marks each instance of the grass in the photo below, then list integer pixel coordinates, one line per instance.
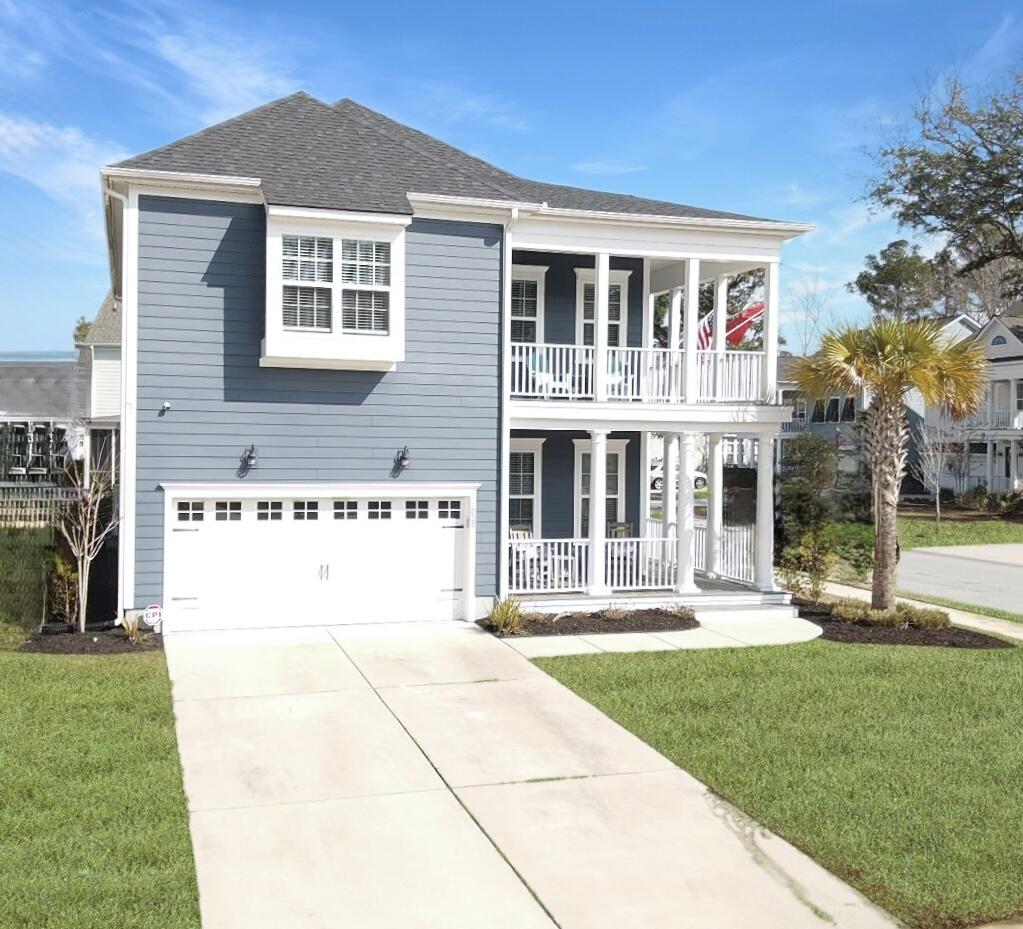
(897, 768)
(916, 531)
(93, 822)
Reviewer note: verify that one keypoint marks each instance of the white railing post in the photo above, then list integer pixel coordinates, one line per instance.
(690, 323)
(597, 586)
(715, 504)
(601, 282)
(720, 327)
(765, 514)
(769, 370)
(685, 530)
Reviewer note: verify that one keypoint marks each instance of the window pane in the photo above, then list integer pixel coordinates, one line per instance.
(524, 298)
(307, 307)
(521, 474)
(523, 330)
(520, 513)
(365, 311)
(365, 262)
(307, 258)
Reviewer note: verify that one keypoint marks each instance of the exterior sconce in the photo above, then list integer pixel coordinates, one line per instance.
(402, 459)
(249, 456)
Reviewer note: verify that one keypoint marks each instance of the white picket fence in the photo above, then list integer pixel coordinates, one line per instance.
(30, 506)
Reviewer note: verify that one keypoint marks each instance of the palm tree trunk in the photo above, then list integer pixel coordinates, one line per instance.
(886, 436)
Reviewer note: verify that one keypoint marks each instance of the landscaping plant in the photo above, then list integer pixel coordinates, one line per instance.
(807, 567)
(506, 618)
(886, 360)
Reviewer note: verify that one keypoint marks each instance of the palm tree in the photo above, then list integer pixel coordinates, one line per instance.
(886, 360)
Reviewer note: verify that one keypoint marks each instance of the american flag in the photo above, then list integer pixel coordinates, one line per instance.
(735, 329)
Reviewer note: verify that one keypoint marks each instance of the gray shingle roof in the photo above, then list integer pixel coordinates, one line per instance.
(310, 154)
(38, 389)
(106, 327)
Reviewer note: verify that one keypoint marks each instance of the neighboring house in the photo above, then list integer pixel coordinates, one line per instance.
(996, 432)
(99, 372)
(370, 377)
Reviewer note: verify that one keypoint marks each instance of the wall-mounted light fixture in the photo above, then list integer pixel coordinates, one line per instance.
(249, 456)
(402, 459)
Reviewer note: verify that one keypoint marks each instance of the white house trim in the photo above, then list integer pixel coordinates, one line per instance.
(505, 411)
(614, 446)
(391, 490)
(294, 214)
(584, 276)
(537, 273)
(129, 395)
(535, 446)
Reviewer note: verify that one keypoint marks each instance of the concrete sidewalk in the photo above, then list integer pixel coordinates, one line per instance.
(988, 575)
(432, 777)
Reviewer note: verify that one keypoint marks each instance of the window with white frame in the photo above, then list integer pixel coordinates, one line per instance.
(346, 509)
(417, 509)
(524, 485)
(614, 507)
(307, 510)
(335, 291)
(227, 510)
(267, 510)
(449, 509)
(191, 511)
(617, 307)
(527, 300)
(378, 509)
(1019, 395)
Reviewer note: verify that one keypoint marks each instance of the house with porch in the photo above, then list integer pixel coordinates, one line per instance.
(369, 377)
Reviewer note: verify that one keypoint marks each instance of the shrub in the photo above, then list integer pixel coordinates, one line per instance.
(506, 618)
(975, 498)
(806, 567)
(904, 614)
(1012, 505)
(62, 588)
(994, 503)
(946, 495)
(24, 560)
(613, 613)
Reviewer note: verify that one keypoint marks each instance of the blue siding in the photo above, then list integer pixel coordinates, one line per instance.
(558, 480)
(560, 293)
(201, 319)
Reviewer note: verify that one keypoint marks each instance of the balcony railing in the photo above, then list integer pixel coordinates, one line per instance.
(649, 375)
(985, 419)
(649, 563)
(794, 425)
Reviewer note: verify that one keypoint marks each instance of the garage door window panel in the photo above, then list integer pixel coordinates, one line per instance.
(307, 510)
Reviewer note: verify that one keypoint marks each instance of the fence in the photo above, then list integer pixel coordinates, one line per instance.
(30, 506)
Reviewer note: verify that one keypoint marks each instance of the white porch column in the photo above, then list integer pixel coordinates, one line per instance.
(684, 554)
(1013, 464)
(715, 503)
(669, 468)
(601, 280)
(690, 320)
(717, 342)
(765, 514)
(769, 372)
(597, 586)
(675, 318)
(989, 473)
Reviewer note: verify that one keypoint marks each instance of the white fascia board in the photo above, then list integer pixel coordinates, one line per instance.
(336, 216)
(785, 229)
(701, 417)
(179, 178)
(233, 490)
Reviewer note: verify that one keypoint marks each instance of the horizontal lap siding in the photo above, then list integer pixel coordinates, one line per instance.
(201, 313)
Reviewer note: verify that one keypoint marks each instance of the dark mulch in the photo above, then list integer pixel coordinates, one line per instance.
(652, 620)
(838, 630)
(106, 642)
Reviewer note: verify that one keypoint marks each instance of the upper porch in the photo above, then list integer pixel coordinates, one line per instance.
(624, 331)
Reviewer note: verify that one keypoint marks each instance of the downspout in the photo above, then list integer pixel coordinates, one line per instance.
(505, 448)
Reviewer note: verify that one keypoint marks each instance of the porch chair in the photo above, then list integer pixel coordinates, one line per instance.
(619, 530)
(546, 382)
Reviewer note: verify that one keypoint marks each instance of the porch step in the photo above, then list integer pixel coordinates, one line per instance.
(752, 611)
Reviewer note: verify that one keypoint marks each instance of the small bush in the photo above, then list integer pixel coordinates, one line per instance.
(1012, 505)
(975, 498)
(904, 614)
(806, 567)
(506, 618)
(994, 503)
(613, 613)
(683, 612)
(62, 587)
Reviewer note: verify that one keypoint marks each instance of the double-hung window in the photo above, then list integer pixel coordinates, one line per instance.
(307, 271)
(335, 292)
(614, 504)
(617, 308)
(527, 298)
(524, 476)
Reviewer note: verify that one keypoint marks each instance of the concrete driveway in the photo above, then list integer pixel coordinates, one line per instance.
(432, 777)
(988, 575)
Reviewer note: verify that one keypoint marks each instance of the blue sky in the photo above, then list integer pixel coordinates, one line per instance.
(762, 108)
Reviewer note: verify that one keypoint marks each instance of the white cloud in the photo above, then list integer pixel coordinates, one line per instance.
(63, 162)
(601, 166)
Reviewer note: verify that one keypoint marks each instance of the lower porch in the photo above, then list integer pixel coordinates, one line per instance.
(656, 519)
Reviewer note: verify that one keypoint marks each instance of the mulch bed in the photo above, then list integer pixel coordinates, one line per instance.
(651, 620)
(106, 642)
(837, 630)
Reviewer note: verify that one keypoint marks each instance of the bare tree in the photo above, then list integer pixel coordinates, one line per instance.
(811, 313)
(85, 518)
(934, 452)
(960, 459)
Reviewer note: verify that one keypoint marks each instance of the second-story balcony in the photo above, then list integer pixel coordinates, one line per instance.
(647, 375)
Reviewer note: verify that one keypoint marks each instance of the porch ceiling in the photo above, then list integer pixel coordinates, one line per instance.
(666, 273)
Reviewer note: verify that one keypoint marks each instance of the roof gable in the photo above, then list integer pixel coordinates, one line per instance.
(1001, 337)
(106, 327)
(348, 157)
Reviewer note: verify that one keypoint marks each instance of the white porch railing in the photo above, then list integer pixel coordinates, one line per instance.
(547, 565)
(651, 374)
(794, 425)
(561, 371)
(729, 376)
(640, 564)
(738, 560)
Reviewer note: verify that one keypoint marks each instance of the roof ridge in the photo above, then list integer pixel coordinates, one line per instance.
(201, 133)
(404, 144)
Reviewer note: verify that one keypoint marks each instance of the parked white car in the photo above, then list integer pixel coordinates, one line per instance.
(657, 477)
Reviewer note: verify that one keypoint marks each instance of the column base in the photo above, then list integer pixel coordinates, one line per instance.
(690, 588)
(598, 590)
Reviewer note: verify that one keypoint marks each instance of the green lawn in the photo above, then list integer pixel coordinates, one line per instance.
(898, 768)
(93, 823)
(918, 531)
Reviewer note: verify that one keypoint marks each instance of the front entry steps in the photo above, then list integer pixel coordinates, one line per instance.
(718, 605)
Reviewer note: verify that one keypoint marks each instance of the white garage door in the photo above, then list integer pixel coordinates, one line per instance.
(284, 561)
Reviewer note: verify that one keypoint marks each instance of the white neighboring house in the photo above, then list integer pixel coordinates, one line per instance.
(99, 386)
(997, 430)
(369, 377)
